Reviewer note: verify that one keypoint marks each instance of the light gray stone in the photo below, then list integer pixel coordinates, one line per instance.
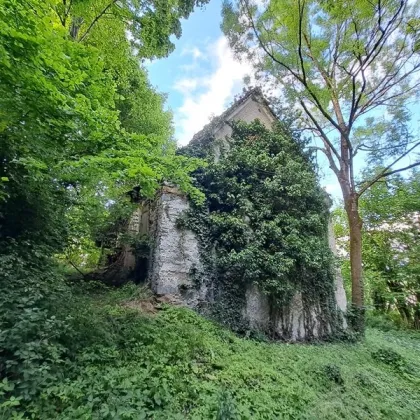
(257, 308)
(340, 294)
(294, 321)
(175, 252)
(248, 111)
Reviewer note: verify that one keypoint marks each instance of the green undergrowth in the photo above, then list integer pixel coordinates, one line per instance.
(120, 363)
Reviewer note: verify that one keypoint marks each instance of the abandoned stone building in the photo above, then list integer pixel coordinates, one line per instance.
(175, 252)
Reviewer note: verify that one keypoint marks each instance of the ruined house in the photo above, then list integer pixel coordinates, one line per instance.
(175, 252)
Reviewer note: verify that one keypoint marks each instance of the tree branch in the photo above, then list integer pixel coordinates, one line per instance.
(301, 8)
(75, 267)
(96, 20)
(329, 147)
(386, 172)
(296, 75)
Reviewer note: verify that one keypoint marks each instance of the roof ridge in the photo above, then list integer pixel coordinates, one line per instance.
(240, 99)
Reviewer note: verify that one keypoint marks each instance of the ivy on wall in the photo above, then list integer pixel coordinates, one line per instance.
(264, 222)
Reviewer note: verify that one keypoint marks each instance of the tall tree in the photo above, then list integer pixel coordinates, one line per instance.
(151, 23)
(391, 245)
(75, 119)
(351, 68)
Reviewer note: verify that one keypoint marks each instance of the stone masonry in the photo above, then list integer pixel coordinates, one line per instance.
(175, 253)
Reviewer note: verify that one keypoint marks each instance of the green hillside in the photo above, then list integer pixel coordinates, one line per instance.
(130, 358)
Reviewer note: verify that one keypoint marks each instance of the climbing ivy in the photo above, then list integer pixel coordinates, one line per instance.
(264, 222)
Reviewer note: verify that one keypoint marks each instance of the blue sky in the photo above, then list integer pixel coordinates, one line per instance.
(201, 78)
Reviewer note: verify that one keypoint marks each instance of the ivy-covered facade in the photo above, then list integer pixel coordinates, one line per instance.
(256, 254)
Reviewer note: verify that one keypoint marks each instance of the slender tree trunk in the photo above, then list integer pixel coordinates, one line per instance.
(76, 23)
(416, 321)
(401, 303)
(357, 295)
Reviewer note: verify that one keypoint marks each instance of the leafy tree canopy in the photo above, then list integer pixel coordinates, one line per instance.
(76, 125)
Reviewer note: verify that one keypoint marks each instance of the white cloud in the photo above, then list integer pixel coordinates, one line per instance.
(332, 189)
(186, 86)
(261, 4)
(194, 51)
(189, 67)
(215, 90)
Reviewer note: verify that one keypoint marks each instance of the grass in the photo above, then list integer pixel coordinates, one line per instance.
(177, 365)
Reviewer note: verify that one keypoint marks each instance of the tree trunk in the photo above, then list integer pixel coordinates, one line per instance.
(400, 300)
(357, 298)
(417, 313)
(76, 23)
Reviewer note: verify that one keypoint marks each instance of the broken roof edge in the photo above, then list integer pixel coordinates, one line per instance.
(217, 121)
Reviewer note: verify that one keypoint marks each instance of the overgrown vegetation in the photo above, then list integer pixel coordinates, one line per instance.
(98, 359)
(80, 126)
(350, 69)
(264, 223)
(391, 249)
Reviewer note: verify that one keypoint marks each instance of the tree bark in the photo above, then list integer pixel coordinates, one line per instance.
(357, 295)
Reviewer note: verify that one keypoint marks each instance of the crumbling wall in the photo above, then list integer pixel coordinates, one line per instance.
(175, 255)
(298, 320)
(129, 261)
(340, 294)
(177, 268)
(139, 225)
(175, 261)
(250, 110)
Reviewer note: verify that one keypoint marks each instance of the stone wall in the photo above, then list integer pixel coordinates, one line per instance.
(340, 294)
(299, 319)
(250, 110)
(175, 260)
(175, 255)
(139, 224)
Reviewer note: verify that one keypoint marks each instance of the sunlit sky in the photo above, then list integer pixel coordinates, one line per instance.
(201, 77)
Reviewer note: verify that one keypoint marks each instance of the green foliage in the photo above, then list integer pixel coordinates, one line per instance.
(151, 23)
(389, 357)
(338, 54)
(350, 69)
(267, 221)
(333, 373)
(31, 329)
(116, 362)
(390, 249)
(384, 321)
(79, 126)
